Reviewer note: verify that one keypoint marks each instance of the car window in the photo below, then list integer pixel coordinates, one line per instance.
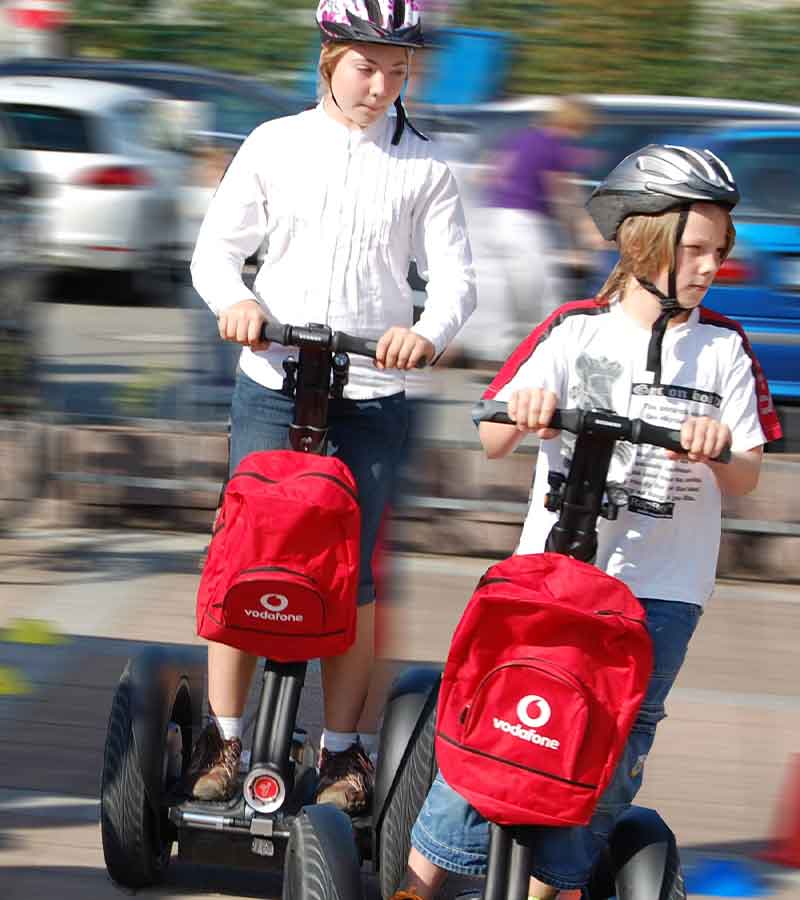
(235, 111)
(49, 128)
(612, 140)
(766, 173)
(136, 123)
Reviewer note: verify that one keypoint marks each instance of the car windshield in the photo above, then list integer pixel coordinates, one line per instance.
(765, 169)
(49, 128)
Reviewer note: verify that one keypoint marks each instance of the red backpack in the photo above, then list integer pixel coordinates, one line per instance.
(545, 675)
(281, 575)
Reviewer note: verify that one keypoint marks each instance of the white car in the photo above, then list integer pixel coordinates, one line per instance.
(112, 186)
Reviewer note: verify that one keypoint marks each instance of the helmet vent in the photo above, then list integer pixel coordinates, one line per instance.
(374, 12)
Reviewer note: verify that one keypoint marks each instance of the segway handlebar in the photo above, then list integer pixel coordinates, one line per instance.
(579, 421)
(322, 337)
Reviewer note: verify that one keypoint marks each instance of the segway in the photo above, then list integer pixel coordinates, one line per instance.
(157, 710)
(641, 861)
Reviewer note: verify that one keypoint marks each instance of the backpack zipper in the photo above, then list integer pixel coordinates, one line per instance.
(279, 569)
(256, 475)
(345, 487)
(622, 615)
(516, 765)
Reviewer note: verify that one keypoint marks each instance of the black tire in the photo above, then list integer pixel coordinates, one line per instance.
(321, 861)
(641, 861)
(136, 846)
(411, 786)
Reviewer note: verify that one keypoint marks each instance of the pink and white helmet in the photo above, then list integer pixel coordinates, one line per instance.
(371, 21)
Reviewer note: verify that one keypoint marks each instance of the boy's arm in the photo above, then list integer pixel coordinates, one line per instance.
(740, 475)
(704, 438)
(499, 440)
(532, 409)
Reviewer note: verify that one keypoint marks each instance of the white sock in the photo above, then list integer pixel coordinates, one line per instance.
(336, 741)
(370, 744)
(229, 726)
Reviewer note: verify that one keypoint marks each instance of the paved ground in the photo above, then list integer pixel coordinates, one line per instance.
(721, 759)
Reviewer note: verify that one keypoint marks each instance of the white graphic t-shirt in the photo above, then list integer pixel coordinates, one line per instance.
(665, 544)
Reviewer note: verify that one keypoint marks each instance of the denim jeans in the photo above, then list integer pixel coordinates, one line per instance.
(369, 436)
(451, 834)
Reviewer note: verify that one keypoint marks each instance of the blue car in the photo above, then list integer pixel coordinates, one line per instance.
(759, 284)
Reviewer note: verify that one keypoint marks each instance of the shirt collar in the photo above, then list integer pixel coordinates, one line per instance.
(354, 135)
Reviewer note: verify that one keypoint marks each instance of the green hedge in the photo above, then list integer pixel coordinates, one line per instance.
(577, 45)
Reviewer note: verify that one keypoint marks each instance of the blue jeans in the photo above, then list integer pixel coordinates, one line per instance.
(451, 834)
(369, 436)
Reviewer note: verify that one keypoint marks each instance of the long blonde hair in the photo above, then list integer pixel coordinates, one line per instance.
(647, 245)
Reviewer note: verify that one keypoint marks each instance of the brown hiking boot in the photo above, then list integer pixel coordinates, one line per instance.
(214, 767)
(346, 779)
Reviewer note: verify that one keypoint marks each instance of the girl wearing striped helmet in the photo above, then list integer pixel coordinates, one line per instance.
(365, 58)
(341, 198)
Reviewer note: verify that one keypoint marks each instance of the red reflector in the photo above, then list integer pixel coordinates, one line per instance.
(115, 177)
(266, 788)
(734, 271)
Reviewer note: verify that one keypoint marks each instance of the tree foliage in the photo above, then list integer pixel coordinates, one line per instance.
(573, 45)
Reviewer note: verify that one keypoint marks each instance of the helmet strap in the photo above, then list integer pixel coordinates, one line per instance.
(402, 121)
(669, 305)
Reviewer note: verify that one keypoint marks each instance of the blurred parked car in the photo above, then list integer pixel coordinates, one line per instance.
(624, 123)
(18, 280)
(112, 189)
(237, 105)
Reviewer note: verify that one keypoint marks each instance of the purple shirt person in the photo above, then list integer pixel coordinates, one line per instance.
(520, 180)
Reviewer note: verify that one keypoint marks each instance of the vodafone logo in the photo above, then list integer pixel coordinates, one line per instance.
(273, 611)
(274, 602)
(534, 712)
(541, 706)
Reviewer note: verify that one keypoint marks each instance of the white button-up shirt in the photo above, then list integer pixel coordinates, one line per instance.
(341, 212)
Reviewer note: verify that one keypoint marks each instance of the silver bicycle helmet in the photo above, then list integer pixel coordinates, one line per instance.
(653, 180)
(657, 178)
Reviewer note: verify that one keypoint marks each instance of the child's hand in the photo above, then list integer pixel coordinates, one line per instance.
(402, 348)
(703, 439)
(242, 323)
(532, 409)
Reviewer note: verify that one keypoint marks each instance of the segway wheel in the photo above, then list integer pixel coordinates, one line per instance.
(136, 853)
(412, 784)
(321, 860)
(641, 861)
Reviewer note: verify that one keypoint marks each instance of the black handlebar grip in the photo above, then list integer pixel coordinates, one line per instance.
(348, 343)
(491, 411)
(276, 334)
(668, 438)
(497, 411)
(725, 456)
